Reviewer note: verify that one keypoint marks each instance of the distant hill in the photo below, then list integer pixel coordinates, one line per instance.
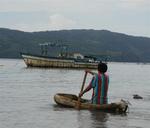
(117, 46)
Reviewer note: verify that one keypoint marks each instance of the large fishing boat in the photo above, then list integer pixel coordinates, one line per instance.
(64, 59)
(58, 62)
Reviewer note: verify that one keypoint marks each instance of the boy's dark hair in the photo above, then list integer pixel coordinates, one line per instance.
(102, 67)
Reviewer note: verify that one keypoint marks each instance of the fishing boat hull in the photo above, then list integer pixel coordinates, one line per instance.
(70, 100)
(56, 62)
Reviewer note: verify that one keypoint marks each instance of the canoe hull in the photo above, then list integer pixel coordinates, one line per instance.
(69, 100)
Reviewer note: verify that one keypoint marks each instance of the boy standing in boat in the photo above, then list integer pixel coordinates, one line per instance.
(99, 83)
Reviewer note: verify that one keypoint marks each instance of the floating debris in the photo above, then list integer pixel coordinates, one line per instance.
(136, 96)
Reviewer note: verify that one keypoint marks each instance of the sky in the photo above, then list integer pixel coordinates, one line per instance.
(131, 17)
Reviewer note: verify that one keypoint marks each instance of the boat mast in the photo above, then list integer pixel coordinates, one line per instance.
(44, 48)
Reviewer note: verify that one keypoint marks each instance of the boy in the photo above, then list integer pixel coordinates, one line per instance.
(99, 83)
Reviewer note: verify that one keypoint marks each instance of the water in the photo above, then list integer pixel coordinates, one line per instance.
(26, 97)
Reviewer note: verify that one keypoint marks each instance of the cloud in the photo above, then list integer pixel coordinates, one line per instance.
(58, 22)
(38, 5)
(68, 6)
(135, 1)
(34, 15)
(135, 4)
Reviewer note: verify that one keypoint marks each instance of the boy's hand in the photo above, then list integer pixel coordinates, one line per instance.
(89, 71)
(80, 94)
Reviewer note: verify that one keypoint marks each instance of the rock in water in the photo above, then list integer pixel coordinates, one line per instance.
(136, 96)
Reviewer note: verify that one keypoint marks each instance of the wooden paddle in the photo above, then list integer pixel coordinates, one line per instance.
(83, 83)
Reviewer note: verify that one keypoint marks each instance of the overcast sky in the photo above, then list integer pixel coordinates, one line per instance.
(126, 16)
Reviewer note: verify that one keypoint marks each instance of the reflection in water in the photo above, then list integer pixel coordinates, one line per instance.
(92, 119)
(99, 119)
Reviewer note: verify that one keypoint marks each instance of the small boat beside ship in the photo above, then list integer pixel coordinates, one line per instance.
(71, 101)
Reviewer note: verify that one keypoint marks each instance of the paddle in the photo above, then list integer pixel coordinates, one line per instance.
(83, 83)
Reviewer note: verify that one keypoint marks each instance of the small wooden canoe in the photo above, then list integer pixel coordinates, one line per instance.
(70, 100)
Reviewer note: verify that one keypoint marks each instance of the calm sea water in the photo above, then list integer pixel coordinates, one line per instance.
(26, 97)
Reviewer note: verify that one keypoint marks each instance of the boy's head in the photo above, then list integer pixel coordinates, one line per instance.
(102, 67)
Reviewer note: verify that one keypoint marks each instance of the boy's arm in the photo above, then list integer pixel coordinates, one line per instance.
(87, 88)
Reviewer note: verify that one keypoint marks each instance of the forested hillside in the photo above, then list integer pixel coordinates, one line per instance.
(119, 47)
